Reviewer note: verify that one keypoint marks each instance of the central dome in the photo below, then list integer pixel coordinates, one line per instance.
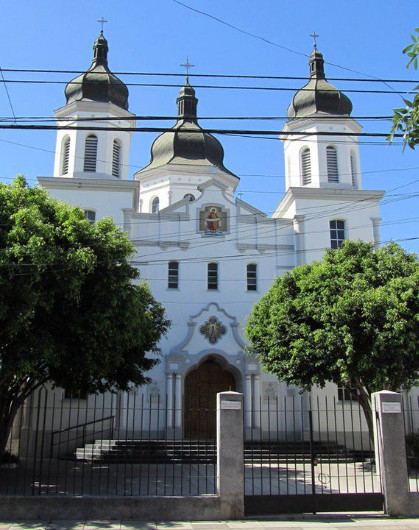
(318, 96)
(98, 83)
(186, 142)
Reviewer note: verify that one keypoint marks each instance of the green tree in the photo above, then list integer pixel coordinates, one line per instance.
(406, 119)
(351, 318)
(71, 309)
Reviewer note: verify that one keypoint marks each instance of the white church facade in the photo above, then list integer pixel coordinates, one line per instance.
(207, 255)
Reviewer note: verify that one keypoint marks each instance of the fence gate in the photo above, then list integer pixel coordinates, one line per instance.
(304, 455)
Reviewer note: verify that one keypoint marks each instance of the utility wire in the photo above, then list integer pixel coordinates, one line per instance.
(216, 87)
(194, 131)
(216, 76)
(8, 95)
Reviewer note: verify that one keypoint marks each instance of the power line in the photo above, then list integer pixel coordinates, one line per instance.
(215, 76)
(215, 87)
(197, 131)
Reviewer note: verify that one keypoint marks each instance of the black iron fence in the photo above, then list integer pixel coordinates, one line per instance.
(107, 445)
(302, 446)
(411, 423)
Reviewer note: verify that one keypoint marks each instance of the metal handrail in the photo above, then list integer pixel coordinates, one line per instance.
(79, 426)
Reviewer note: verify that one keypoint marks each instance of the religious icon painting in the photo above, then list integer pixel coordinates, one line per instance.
(212, 221)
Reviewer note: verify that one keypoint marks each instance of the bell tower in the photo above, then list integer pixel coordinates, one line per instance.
(91, 140)
(323, 185)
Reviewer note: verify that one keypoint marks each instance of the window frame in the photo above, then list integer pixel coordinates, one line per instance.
(252, 277)
(155, 205)
(305, 166)
(90, 153)
(336, 237)
(65, 155)
(116, 158)
(212, 276)
(332, 164)
(173, 274)
(90, 215)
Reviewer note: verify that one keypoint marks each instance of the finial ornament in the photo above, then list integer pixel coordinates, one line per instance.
(101, 22)
(187, 65)
(314, 35)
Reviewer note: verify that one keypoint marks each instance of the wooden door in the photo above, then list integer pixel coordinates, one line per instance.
(201, 388)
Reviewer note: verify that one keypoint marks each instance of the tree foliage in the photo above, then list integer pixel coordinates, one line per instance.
(71, 309)
(406, 119)
(351, 318)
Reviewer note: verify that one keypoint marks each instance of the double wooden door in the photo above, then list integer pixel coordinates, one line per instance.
(201, 388)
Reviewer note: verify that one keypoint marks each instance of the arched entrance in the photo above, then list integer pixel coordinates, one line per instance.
(201, 387)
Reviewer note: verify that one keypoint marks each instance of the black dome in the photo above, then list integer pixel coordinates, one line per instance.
(187, 143)
(98, 83)
(318, 95)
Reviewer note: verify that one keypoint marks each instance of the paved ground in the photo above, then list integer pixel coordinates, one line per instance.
(324, 521)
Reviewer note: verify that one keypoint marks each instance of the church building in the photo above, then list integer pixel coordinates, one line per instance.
(207, 255)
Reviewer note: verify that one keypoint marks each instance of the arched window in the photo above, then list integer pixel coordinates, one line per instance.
(173, 275)
(65, 155)
(212, 276)
(332, 164)
(90, 153)
(353, 170)
(155, 204)
(116, 159)
(305, 166)
(189, 196)
(252, 277)
(337, 233)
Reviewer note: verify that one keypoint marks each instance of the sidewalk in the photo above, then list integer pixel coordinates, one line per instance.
(285, 522)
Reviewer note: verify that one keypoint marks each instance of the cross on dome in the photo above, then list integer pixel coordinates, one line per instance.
(314, 35)
(187, 65)
(101, 22)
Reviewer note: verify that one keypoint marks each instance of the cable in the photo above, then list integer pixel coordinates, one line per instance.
(219, 87)
(215, 76)
(8, 95)
(194, 131)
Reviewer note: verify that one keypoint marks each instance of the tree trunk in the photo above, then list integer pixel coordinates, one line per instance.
(365, 402)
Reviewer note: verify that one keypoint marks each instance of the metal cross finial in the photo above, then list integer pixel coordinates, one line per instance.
(314, 35)
(101, 22)
(187, 65)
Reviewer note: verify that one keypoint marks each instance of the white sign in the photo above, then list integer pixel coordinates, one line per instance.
(391, 407)
(231, 405)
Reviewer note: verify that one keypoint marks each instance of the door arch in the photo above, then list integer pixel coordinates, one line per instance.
(201, 387)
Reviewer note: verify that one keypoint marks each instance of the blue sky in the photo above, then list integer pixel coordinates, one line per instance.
(359, 39)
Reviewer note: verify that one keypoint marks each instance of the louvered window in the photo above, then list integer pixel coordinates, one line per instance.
(337, 233)
(155, 205)
(332, 164)
(65, 156)
(116, 159)
(90, 154)
(212, 276)
(306, 166)
(353, 171)
(173, 276)
(252, 277)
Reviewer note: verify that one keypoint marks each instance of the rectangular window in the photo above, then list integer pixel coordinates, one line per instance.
(252, 277)
(75, 394)
(337, 233)
(212, 276)
(347, 394)
(173, 275)
(90, 215)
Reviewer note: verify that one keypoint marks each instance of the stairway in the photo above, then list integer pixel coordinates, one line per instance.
(204, 452)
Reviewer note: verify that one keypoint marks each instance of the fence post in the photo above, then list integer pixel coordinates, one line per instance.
(230, 453)
(390, 453)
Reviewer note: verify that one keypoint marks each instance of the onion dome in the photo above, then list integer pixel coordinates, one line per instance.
(318, 96)
(98, 83)
(187, 143)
